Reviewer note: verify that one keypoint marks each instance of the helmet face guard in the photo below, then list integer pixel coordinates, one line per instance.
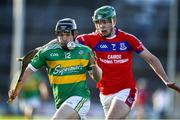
(104, 13)
(66, 25)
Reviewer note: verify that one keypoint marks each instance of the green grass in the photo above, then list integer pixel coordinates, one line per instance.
(17, 117)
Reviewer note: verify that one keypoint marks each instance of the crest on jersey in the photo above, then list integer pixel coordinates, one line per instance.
(115, 46)
(122, 46)
(81, 52)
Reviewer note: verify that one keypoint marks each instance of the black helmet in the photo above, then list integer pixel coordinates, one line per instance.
(66, 24)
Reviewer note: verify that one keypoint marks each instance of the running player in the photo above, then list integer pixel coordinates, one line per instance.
(33, 92)
(114, 48)
(67, 64)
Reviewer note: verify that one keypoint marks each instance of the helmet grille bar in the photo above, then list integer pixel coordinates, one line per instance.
(66, 24)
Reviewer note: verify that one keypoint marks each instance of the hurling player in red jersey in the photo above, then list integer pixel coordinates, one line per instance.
(114, 48)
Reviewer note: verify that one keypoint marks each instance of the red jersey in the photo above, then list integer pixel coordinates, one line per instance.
(114, 58)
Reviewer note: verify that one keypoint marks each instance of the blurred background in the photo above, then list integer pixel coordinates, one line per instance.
(27, 24)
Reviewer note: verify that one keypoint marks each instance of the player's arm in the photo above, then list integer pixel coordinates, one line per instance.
(96, 72)
(43, 89)
(13, 92)
(156, 65)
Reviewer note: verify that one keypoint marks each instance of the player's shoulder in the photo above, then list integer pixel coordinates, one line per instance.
(53, 44)
(88, 35)
(127, 35)
(83, 47)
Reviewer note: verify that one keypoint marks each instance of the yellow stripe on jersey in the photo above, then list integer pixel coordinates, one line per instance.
(67, 79)
(67, 63)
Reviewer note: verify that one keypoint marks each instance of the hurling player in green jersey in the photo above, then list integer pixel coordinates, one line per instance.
(67, 63)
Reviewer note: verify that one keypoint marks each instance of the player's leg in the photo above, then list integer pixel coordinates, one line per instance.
(106, 102)
(74, 107)
(28, 112)
(118, 110)
(25, 108)
(121, 104)
(66, 112)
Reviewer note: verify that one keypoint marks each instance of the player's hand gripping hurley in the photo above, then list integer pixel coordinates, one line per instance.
(13, 92)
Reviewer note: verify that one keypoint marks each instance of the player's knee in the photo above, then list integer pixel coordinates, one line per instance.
(65, 112)
(118, 110)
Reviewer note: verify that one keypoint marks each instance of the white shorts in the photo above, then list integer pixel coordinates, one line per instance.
(80, 104)
(33, 102)
(128, 96)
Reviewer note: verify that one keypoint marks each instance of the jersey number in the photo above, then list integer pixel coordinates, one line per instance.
(67, 55)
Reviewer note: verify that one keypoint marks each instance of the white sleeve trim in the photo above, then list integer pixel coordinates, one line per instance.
(32, 67)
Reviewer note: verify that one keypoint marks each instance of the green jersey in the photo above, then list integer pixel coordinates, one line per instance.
(30, 88)
(66, 70)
